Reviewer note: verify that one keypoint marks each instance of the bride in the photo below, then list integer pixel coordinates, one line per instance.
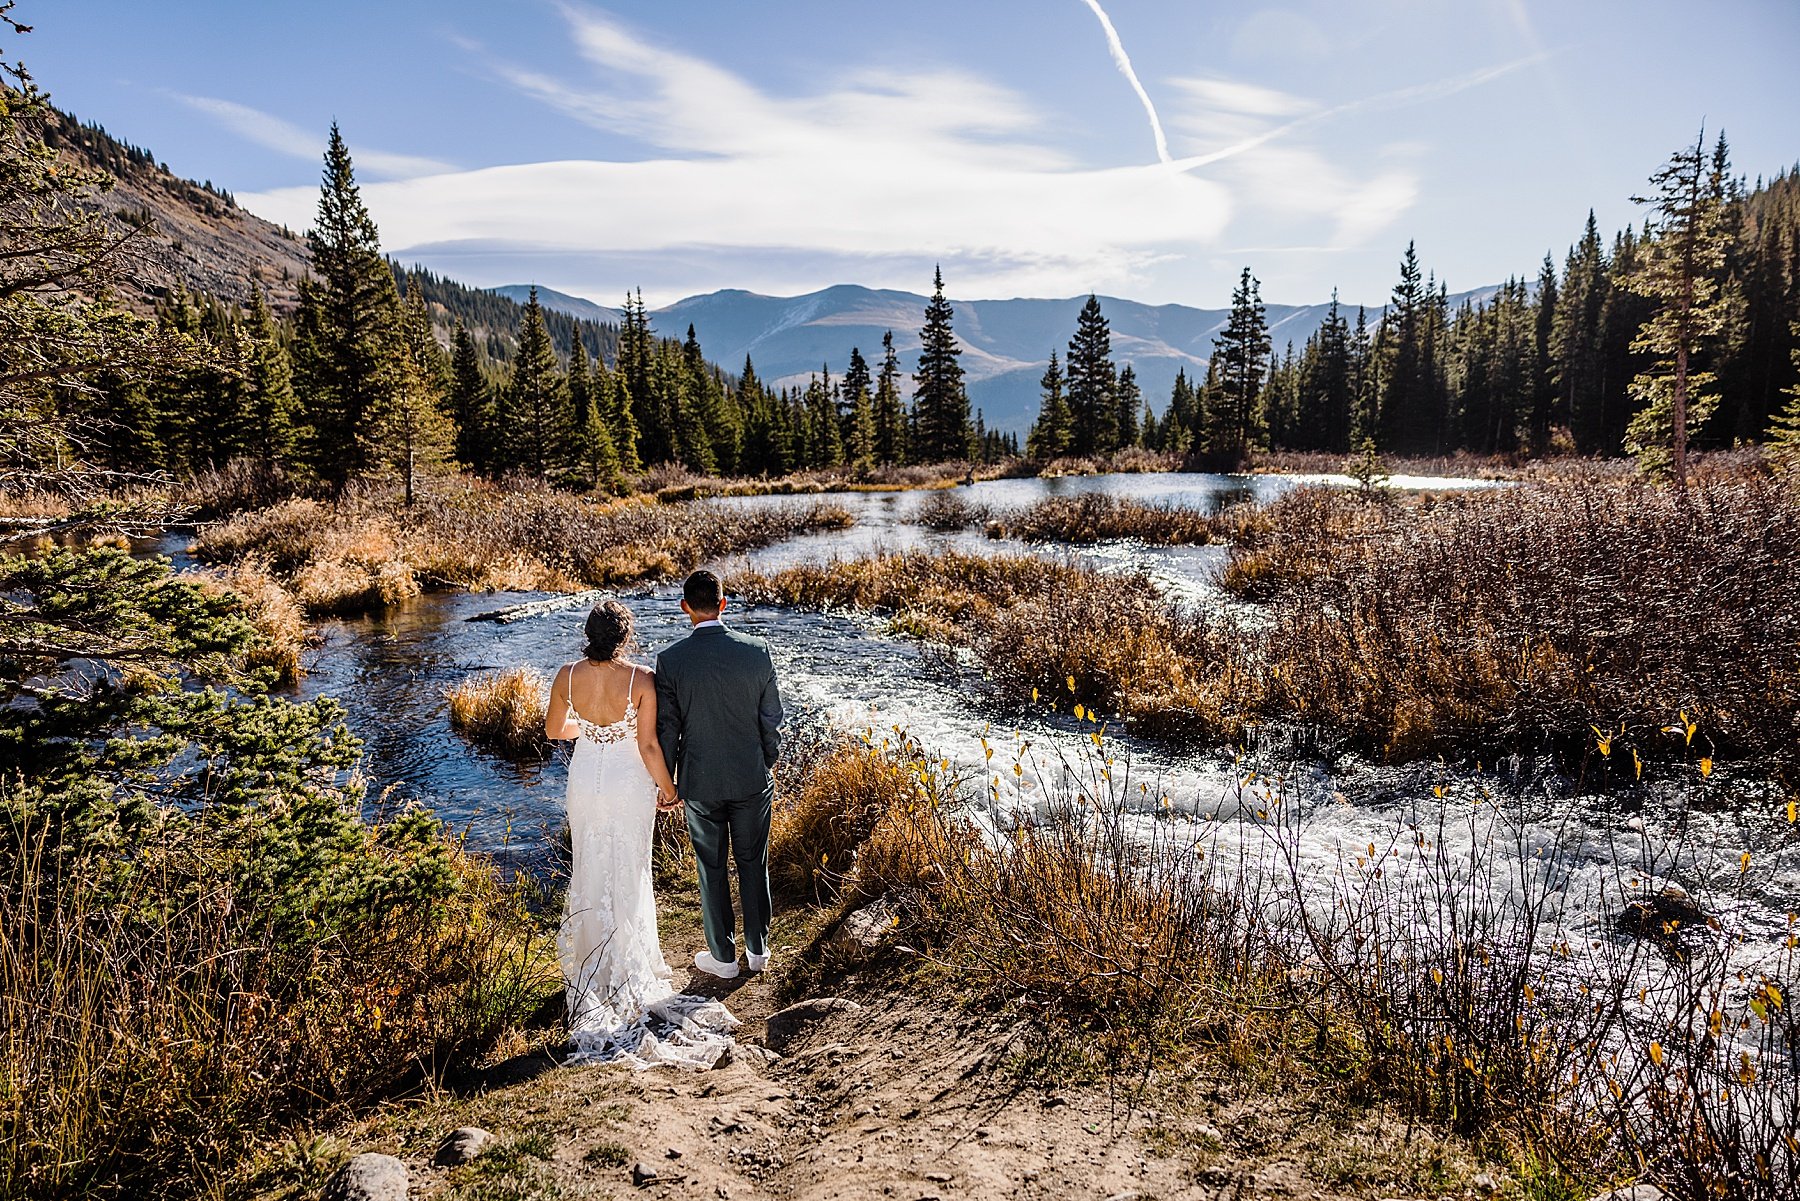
(622, 1004)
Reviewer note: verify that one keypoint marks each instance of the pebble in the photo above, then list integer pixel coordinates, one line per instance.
(461, 1145)
(643, 1175)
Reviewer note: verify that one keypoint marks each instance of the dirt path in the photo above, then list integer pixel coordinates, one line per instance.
(900, 1097)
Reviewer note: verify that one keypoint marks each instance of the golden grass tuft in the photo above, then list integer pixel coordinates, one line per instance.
(277, 615)
(818, 828)
(502, 711)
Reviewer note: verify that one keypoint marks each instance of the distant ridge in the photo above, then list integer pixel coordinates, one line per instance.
(1005, 343)
(560, 302)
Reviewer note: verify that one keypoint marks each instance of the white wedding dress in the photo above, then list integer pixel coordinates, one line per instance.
(622, 1005)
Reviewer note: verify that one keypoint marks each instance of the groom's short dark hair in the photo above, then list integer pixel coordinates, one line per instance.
(704, 591)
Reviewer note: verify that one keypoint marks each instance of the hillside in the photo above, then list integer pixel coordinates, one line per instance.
(1005, 343)
(199, 239)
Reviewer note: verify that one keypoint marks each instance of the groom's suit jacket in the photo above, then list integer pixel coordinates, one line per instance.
(718, 715)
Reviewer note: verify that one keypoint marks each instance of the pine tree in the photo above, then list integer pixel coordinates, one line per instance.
(471, 404)
(1406, 424)
(1183, 417)
(599, 454)
(654, 440)
(857, 421)
(825, 448)
(1092, 384)
(1131, 403)
(1576, 368)
(270, 385)
(1784, 434)
(1241, 358)
(580, 388)
(408, 430)
(1365, 383)
(940, 405)
(347, 357)
(1679, 271)
(1049, 437)
(705, 393)
(890, 409)
(1542, 410)
(614, 396)
(533, 409)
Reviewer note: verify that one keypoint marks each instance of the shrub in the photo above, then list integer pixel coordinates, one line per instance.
(503, 711)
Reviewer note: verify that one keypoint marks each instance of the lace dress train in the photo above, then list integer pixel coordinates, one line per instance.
(622, 1003)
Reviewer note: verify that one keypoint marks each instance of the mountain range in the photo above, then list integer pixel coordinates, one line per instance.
(1005, 343)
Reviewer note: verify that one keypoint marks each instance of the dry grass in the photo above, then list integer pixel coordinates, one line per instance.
(367, 551)
(1523, 616)
(502, 711)
(1097, 517)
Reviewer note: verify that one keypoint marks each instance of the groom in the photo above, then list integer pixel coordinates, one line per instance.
(718, 714)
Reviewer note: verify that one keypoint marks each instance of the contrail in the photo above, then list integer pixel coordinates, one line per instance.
(1123, 61)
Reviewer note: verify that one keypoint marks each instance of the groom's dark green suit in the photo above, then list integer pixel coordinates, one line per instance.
(718, 714)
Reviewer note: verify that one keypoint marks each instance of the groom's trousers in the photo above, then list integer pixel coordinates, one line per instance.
(723, 831)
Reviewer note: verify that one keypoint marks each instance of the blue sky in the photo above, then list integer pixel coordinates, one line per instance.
(782, 147)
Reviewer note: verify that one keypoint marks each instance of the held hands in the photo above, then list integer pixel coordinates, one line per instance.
(667, 802)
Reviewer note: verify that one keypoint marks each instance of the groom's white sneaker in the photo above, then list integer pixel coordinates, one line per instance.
(757, 962)
(712, 967)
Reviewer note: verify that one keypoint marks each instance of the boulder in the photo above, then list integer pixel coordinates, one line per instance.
(788, 1024)
(461, 1145)
(368, 1177)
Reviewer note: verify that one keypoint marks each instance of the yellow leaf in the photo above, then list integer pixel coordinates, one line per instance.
(1656, 1054)
(1743, 863)
(1637, 764)
(1034, 695)
(1071, 683)
(1790, 813)
(1440, 791)
(1437, 976)
(1705, 766)
(1096, 737)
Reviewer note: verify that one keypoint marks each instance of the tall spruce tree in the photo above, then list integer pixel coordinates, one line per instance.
(1240, 366)
(890, 407)
(269, 378)
(1130, 399)
(1406, 425)
(1679, 271)
(347, 354)
(1049, 436)
(1093, 384)
(639, 406)
(1784, 433)
(1575, 349)
(533, 409)
(408, 430)
(471, 404)
(857, 420)
(942, 432)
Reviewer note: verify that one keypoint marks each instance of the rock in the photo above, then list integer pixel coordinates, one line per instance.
(368, 1177)
(1663, 918)
(939, 1177)
(869, 926)
(1635, 1192)
(1129, 1194)
(644, 1175)
(786, 1025)
(461, 1145)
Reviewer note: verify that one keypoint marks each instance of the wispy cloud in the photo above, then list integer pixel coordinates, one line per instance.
(284, 137)
(891, 169)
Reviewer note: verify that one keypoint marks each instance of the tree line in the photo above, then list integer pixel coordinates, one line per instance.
(1697, 310)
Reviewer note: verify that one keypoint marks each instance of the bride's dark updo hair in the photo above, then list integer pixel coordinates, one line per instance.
(609, 630)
